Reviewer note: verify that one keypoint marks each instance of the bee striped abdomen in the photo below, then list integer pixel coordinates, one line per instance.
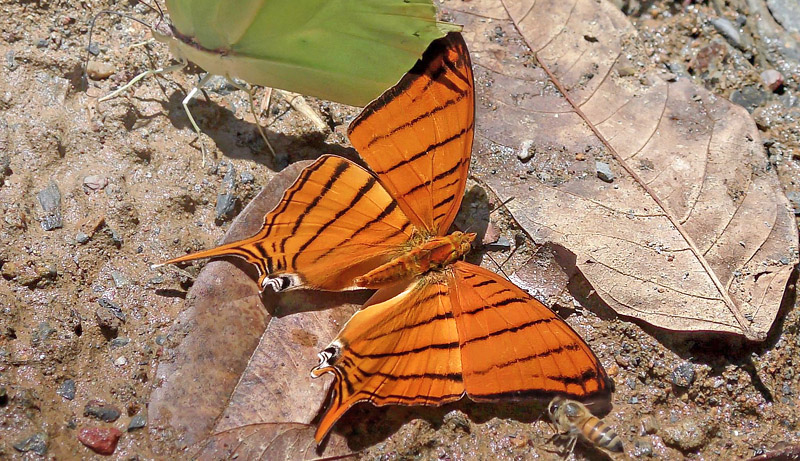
(601, 434)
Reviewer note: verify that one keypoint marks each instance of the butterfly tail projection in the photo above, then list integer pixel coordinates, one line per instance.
(334, 224)
(250, 251)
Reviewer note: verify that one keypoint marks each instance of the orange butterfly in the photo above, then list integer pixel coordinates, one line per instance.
(437, 328)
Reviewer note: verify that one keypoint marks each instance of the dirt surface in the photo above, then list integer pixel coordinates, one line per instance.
(122, 184)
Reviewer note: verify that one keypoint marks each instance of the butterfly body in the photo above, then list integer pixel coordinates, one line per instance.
(436, 253)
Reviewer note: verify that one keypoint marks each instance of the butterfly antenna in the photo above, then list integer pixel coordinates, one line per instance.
(499, 267)
(503, 205)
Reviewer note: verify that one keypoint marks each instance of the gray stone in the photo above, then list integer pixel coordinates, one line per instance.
(36, 443)
(226, 203)
(50, 200)
(604, 171)
(749, 97)
(794, 198)
(787, 13)
(728, 30)
(81, 238)
(137, 422)
(683, 375)
(113, 307)
(100, 410)
(67, 389)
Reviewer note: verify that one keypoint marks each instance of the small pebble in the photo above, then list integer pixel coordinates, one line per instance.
(101, 410)
(749, 97)
(81, 238)
(94, 183)
(728, 30)
(247, 177)
(649, 424)
(772, 79)
(683, 375)
(36, 443)
(11, 62)
(525, 151)
(113, 307)
(50, 200)
(226, 203)
(642, 447)
(121, 361)
(686, 435)
(137, 422)
(102, 440)
(107, 321)
(67, 389)
(120, 342)
(119, 279)
(604, 172)
(93, 49)
(98, 70)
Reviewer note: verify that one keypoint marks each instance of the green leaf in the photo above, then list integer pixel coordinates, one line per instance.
(348, 51)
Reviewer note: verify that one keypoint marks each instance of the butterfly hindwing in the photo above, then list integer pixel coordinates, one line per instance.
(404, 350)
(334, 223)
(514, 347)
(417, 137)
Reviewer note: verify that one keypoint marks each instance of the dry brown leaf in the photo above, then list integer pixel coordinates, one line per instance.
(235, 380)
(694, 233)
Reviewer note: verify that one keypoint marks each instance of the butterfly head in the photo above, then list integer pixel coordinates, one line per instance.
(463, 241)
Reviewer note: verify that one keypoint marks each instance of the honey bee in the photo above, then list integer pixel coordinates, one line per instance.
(572, 420)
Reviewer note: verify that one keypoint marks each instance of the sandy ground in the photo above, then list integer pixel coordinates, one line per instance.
(80, 335)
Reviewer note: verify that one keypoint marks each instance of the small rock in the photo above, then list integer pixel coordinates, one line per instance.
(457, 420)
(113, 307)
(11, 62)
(649, 424)
(794, 198)
(728, 30)
(121, 361)
(686, 435)
(683, 375)
(120, 342)
(119, 279)
(81, 238)
(94, 183)
(67, 389)
(642, 447)
(525, 151)
(50, 200)
(107, 321)
(749, 97)
(247, 177)
(772, 79)
(501, 244)
(102, 440)
(93, 49)
(101, 410)
(226, 203)
(98, 70)
(137, 422)
(43, 332)
(36, 443)
(787, 13)
(604, 172)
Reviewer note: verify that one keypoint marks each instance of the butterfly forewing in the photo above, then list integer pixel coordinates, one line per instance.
(401, 351)
(512, 346)
(417, 137)
(336, 222)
